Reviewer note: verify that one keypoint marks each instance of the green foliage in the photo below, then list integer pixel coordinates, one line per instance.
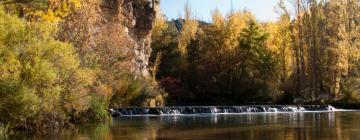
(98, 110)
(226, 62)
(256, 60)
(46, 83)
(37, 73)
(48, 10)
(165, 44)
(150, 91)
(351, 91)
(127, 90)
(135, 92)
(4, 131)
(231, 60)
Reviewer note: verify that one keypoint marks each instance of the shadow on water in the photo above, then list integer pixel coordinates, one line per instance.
(276, 126)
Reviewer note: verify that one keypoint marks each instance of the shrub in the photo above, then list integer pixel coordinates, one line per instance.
(126, 90)
(4, 131)
(151, 94)
(98, 110)
(135, 92)
(351, 91)
(38, 74)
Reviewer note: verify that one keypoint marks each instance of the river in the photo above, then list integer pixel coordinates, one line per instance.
(342, 125)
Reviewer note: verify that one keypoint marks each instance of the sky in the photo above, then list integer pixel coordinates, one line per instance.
(264, 10)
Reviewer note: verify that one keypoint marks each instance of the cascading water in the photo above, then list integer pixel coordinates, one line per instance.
(189, 110)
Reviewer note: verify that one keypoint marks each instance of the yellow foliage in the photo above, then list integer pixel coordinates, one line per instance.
(47, 10)
(217, 18)
(279, 43)
(104, 91)
(159, 26)
(235, 23)
(188, 31)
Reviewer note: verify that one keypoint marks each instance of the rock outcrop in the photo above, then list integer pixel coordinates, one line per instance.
(142, 15)
(136, 17)
(113, 37)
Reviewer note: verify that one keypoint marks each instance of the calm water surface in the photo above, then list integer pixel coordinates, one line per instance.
(287, 126)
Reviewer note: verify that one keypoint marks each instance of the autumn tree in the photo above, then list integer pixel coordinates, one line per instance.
(49, 10)
(41, 78)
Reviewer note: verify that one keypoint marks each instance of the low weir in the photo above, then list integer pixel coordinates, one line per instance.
(193, 110)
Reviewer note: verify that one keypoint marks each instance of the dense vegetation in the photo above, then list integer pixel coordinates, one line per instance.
(55, 72)
(312, 57)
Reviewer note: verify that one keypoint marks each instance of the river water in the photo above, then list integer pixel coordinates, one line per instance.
(261, 126)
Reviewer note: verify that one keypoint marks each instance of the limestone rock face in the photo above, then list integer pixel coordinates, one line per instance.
(136, 17)
(142, 16)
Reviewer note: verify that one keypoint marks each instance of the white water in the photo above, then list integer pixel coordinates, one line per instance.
(214, 110)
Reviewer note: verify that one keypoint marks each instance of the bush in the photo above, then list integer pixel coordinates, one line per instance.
(126, 90)
(351, 91)
(40, 77)
(98, 110)
(135, 92)
(4, 131)
(151, 94)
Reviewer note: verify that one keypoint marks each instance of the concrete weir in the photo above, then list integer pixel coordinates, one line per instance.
(193, 110)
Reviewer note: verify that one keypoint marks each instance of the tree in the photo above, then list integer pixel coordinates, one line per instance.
(188, 31)
(336, 40)
(254, 60)
(49, 10)
(187, 34)
(40, 77)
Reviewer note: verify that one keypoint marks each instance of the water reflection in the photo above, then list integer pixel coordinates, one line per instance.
(290, 126)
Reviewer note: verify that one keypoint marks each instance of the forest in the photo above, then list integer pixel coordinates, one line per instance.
(64, 62)
(310, 57)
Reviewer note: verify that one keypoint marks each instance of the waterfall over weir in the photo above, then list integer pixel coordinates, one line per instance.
(193, 110)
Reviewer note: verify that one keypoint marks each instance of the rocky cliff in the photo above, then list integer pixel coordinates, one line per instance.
(136, 17)
(109, 28)
(113, 38)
